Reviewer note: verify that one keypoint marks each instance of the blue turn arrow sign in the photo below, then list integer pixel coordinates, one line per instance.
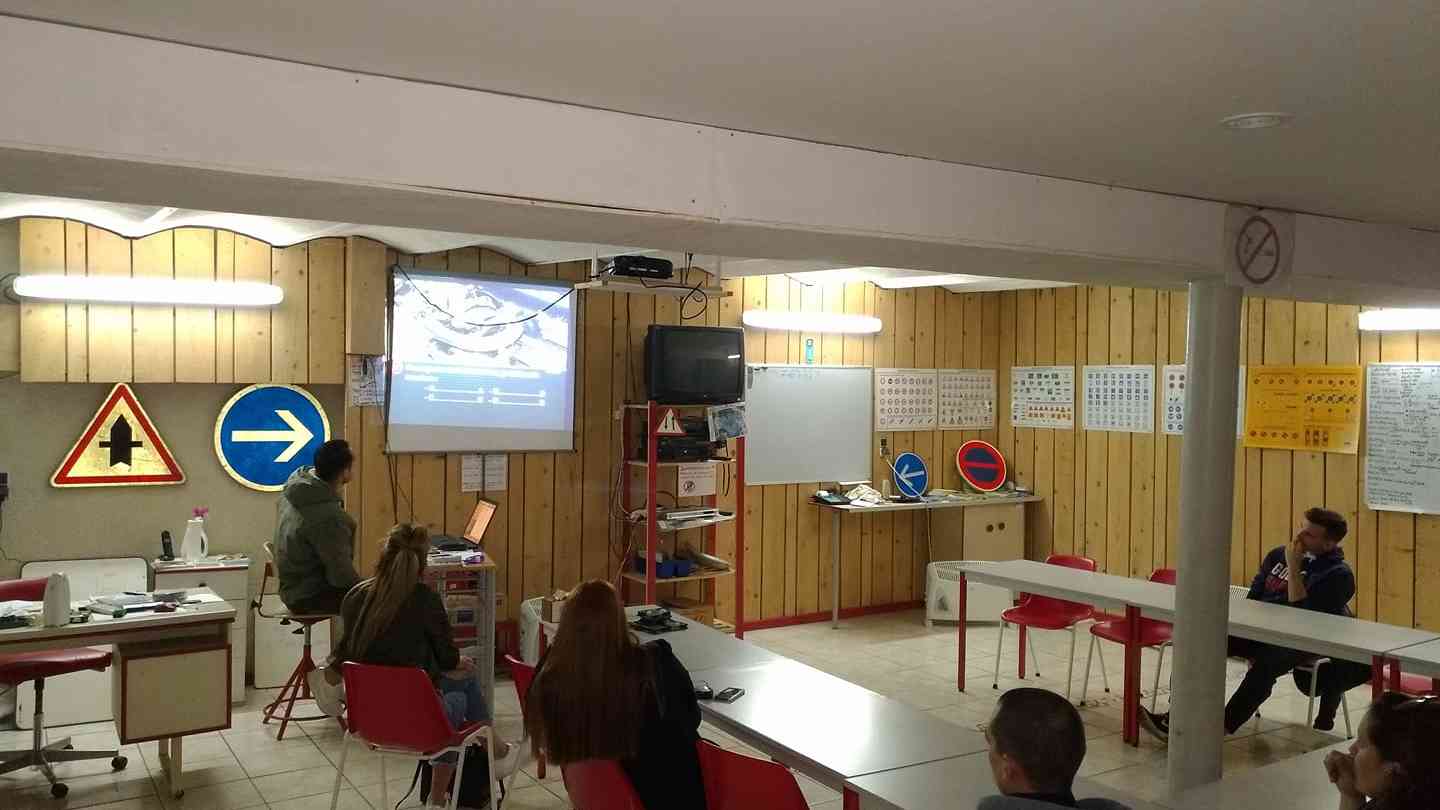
(266, 432)
(911, 477)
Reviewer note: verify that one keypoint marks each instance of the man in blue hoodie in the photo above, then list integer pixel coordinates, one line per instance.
(1310, 573)
(1037, 743)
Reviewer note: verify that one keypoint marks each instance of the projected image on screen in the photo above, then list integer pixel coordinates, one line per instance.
(480, 363)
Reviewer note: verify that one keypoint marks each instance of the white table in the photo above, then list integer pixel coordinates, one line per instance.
(828, 728)
(928, 506)
(952, 784)
(190, 631)
(700, 647)
(1295, 782)
(1320, 633)
(1422, 659)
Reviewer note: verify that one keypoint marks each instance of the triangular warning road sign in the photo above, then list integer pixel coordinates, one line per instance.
(669, 425)
(119, 448)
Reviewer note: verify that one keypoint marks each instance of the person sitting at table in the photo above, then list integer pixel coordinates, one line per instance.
(1309, 572)
(1037, 742)
(394, 619)
(314, 537)
(1393, 760)
(599, 693)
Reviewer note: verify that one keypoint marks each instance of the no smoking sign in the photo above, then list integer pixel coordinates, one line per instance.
(1259, 246)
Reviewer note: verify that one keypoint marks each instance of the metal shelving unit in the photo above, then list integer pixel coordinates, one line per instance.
(653, 413)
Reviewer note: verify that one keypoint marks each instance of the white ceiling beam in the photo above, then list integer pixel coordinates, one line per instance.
(276, 138)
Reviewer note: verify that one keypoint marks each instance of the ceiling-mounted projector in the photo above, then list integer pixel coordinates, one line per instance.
(643, 267)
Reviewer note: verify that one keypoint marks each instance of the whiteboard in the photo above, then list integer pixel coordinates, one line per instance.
(1402, 447)
(808, 423)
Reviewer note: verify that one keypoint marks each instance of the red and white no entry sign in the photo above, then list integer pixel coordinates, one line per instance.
(981, 465)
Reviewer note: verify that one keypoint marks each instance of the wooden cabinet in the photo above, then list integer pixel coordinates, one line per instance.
(231, 582)
(994, 532)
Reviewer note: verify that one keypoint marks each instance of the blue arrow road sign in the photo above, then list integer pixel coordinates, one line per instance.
(911, 477)
(266, 432)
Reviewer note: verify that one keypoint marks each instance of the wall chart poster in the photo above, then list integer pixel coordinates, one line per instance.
(905, 399)
(1172, 401)
(1402, 448)
(1042, 396)
(967, 398)
(1120, 398)
(1315, 408)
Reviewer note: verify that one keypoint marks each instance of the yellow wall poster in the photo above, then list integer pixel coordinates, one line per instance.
(1315, 408)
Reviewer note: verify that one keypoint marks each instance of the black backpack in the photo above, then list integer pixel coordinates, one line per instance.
(474, 788)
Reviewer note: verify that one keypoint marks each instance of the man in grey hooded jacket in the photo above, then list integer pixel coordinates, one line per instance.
(314, 537)
(1037, 742)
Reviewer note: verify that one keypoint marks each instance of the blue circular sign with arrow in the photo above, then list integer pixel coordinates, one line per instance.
(266, 432)
(911, 477)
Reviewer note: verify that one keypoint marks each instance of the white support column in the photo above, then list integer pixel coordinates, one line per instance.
(1207, 478)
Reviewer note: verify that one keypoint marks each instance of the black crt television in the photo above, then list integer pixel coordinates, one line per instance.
(695, 365)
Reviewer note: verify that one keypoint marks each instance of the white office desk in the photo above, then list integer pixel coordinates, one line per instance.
(928, 506)
(952, 784)
(827, 728)
(1422, 659)
(156, 690)
(700, 647)
(1295, 782)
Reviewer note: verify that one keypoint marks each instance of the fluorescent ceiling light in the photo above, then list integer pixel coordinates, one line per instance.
(925, 280)
(160, 216)
(160, 291)
(1390, 320)
(811, 321)
(1259, 120)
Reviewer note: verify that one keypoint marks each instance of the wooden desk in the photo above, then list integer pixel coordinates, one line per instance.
(170, 673)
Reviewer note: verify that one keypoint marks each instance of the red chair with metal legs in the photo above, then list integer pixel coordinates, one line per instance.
(1046, 613)
(396, 710)
(1153, 633)
(17, 668)
(297, 686)
(737, 782)
(599, 784)
(523, 674)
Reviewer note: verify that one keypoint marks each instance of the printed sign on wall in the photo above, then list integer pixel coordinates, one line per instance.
(905, 399)
(1315, 408)
(967, 398)
(1120, 398)
(1042, 396)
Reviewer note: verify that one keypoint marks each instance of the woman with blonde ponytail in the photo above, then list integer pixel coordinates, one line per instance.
(394, 619)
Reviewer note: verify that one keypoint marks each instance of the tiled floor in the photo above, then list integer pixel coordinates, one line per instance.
(893, 654)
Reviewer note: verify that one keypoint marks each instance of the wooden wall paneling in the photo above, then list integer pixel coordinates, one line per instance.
(903, 528)
(1024, 464)
(1162, 468)
(1364, 547)
(43, 346)
(809, 537)
(195, 326)
(597, 355)
(1179, 322)
(1395, 579)
(366, 279)
(110, 325)
(970, 358)
(990, 358)
(224, 316)
(1242, 568)
(252, 324)
(1042, 515)
(1277, 515)
(1145, 317)
(289, 322)
(930, 337)
(957, 330)
(539, 497)
(77, 316)
(1342, 471)
(379, 492)
(1082, 453)
(1062, 499)
(754, 290)
(569, 467)
(882, 527)
(1005, 431)
(354, 494)
(1117, 520)
(1427, 528)
(327, 311)
(153, 327)
(1311, 341)
(1097, 448)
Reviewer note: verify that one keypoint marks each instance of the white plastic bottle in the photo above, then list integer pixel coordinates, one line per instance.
(56, 612)
(196, 546)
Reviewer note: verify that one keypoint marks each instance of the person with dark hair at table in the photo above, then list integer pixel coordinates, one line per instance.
(1037, 742)
(1310, 573)
(1392, 764)
(314, 537)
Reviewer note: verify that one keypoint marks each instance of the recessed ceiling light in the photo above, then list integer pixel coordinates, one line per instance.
(1260, 120)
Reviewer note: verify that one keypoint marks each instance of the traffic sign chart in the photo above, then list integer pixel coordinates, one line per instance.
(981, 465)
(266, 432)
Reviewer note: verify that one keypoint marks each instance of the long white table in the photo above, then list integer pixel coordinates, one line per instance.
(1320, 633)
(927, 505)
(190, 631)
(952, 784)
(1295, 782)
(1422, 659)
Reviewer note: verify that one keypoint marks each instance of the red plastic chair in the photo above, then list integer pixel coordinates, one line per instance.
(599, 784)
(523, 674)
(737, 782)
(17, 668)
(1153, 633)
(1046, 613)
(396, 710)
